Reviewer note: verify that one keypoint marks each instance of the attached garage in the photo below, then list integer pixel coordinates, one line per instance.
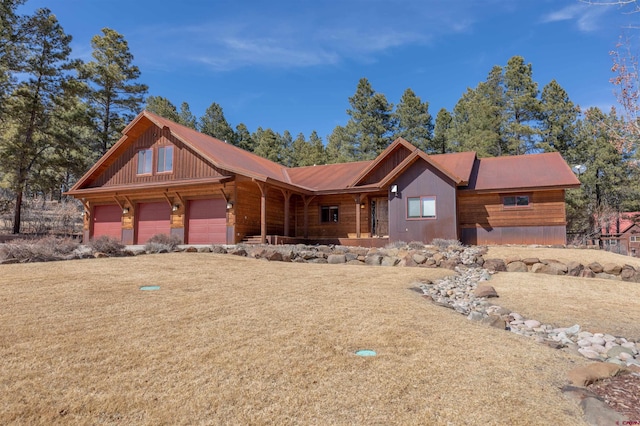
(207, 221)
(152, 219)
(107, 220)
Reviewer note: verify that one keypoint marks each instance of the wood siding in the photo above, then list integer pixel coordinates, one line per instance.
(346, 225)
(186, 164)
(484, 219)
(423, 180)
(247, 210)
(386, 166)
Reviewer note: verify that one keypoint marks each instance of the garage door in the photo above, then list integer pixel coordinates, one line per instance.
(153, 218)
(107, 220)
(207, 223)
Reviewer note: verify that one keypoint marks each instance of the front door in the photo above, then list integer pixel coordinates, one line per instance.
(380, 217)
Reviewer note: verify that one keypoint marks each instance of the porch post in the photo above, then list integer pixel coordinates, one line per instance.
(287, 198)
(356, 198)
(306, 200)
(263, 212)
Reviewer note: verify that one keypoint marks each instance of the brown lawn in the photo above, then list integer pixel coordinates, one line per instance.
(229, 340)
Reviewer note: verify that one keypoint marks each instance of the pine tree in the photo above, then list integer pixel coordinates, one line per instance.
(26, 142)
(9, 47)
(285, 141)
(163, 107)
(214, 124)
(558, 119)
(186, 118)
(243, 138)
(114, 95)
(298, 151)
(342, 147)
(414, 123)
(371, 121)
(440, 142)
(316, 154)
(268, 146)
(522, 107)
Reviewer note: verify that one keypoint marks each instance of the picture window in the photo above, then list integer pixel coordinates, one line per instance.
(421, 207)
(329, 214)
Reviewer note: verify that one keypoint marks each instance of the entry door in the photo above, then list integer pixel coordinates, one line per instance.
(380, 217)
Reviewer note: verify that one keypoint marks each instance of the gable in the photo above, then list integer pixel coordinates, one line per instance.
(122, 169)
(388, 162)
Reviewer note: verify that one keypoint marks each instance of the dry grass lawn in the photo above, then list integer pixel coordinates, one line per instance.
(229, 340)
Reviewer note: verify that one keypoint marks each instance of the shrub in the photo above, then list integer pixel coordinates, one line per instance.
(443, 244)
(416, 245)
(396, 244)
(41, 250)
(161, 243)
(107, 245)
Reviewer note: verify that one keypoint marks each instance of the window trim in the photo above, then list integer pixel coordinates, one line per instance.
(634, 239)
(515, 200)
(144, 158)
(330, 208)
(164, 148)
(421, 199)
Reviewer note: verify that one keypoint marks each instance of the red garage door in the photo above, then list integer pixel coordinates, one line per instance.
(107, 220)
(207, 223)
(153, 218)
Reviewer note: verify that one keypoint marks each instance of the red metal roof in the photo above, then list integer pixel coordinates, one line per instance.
(627, 220)
(458, 163)
(522, 172)
(326, 177)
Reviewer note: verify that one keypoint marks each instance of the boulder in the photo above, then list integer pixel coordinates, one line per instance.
(611, 269)
(595, 267)
(511, 259)
(574, 269)
(373, 259)
(530, 261)
(485, 291)
(335, 259)
(586, 273)
(587, 374)
(542, 268)
(627, 273)
(494, 265)
(389, 261)
(517, 266)
(273, 255)
(605, 276)
(495, 321)
(559, 266)
(419, 258)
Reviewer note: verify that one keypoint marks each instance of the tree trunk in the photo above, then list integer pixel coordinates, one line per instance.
(17, 213)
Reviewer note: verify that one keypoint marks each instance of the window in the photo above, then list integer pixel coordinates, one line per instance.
(165, 159)
(611, 242)
(515, 201)
(633, 239)
(145, 161)
(421, 207)
(329, 214)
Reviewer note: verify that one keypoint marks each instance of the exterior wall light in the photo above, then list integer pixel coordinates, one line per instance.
(125, 210)
(175, 207)
(394, 189)
(229, 205)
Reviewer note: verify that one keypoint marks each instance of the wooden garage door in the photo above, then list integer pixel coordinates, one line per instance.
(207, 223)
(107, 220)
(153, 218)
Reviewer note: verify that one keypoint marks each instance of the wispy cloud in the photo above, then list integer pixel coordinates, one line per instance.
(301, 38)
(587, 18)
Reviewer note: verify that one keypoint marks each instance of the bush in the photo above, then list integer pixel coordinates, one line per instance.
(161, 243)
(416, 245)
(396, 245)
(107, 245)
(443, 244)
(39, 250)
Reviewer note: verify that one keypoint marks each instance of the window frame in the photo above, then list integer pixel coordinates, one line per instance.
(633, 239)
(329, 208)
(164, 149)
(145, 161)
(421, 200)
(515, 204)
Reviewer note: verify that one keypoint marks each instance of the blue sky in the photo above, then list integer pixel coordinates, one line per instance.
(292, 65)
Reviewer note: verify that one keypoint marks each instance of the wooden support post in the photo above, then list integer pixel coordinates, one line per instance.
(306, 200)
(287, 198)
(356, 198)
(263, 212)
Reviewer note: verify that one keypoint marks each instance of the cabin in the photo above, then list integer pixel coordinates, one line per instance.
(620, 233)
(164, 178)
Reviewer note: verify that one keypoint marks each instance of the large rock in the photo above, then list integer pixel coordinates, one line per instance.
(419, 258)
(495, 321)
(373, 259)
(574, 268)
(485, 291)
(495, 265)
(586, 273)
(611, 269)
(559, 266)
(627, 273)
(543, 268)
(517, 266)
(595, 267)
(335, 259)
(587, 374)
(530, 261)
(389, 261)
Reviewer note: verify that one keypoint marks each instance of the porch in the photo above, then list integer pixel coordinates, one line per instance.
(352, 242)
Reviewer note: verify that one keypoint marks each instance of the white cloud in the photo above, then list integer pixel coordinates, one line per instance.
(586, 17)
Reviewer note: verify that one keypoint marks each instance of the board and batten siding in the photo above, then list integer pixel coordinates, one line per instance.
(346, 225)
(485, 220)
(186, 164)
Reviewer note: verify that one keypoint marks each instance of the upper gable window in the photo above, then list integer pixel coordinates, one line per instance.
(145, 161)
(165, 159)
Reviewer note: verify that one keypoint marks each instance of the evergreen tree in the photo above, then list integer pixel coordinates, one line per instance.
(558, 120)
(26, 141)
(298, 151)
(341, 147)
(214, 124)
(163, 107)
(522, 107)
(440, 142)
(414, 122)
(267, 144)
(243, 138)
(114, 94)
(316, 152)
(285, 141)
(371, 121)
(9, 47)
(186, 118)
